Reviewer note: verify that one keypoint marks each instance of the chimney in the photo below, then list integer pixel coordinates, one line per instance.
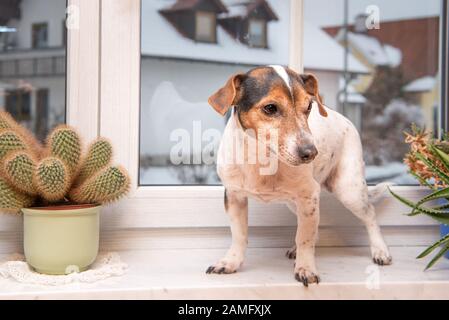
(360, 23)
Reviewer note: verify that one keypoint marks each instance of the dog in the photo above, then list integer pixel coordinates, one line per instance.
(317, 148)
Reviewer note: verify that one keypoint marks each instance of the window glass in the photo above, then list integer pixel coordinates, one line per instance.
(378, 63)
(205, 26)
(257, 33)
(32, 62)
(178, 74)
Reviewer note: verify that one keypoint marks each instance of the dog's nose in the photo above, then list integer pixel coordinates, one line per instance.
(307, 153)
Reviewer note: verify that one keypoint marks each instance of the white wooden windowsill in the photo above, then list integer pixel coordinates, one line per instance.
(267, 274)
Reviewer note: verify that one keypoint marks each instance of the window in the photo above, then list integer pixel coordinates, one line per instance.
(18, 104)
(257, 32)
(32, 81)
(39, 35)
(177, 77)
(205, 26)
(378, 63)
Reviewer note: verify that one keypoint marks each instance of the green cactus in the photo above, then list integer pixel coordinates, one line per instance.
(7, 123)
(12, 200)
(18, 171)
(106, 186)
(99, 155)
(10, 142)
(52, 179)
(65, 144)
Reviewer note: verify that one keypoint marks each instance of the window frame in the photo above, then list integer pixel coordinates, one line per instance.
(114, 84)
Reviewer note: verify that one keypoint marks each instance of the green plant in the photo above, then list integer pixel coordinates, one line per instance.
(31, 175)
(428, 161)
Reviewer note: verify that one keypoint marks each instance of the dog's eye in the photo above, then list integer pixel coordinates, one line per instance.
(270, 109)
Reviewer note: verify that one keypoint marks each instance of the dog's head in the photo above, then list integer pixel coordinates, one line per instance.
(274, 97)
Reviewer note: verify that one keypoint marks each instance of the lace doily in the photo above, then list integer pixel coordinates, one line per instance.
(107, 265)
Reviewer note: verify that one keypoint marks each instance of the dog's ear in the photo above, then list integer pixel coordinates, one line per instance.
(311, 87)
(225, 97)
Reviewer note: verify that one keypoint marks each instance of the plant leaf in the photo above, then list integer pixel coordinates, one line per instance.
(443, 240)
(438, 256)
(439, 215)
(443, 176)
(441, 155)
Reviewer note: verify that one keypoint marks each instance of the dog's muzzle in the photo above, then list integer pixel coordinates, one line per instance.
(307, 153)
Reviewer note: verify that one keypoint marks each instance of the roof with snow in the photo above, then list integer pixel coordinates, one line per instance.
(321, 52)
(421, 84)
(376, 53)
(244, 9)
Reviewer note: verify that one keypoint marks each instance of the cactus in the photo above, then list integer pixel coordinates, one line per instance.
(7, 122)
(106, 186)
(18, 171)
(52, 179)
(12, 200)
(65, 144)
(10, 142)
(99, 155)
(58, 174)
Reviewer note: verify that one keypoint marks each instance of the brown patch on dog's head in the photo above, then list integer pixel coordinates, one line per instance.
(274, 98)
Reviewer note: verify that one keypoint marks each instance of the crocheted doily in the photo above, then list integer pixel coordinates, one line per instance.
(107, 265)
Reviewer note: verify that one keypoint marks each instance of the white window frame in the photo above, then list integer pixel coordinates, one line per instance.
(104, 99)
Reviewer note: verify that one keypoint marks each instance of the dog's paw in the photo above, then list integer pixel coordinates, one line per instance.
(306, 276)
(224, 267)
(291, 253)
(382, 257)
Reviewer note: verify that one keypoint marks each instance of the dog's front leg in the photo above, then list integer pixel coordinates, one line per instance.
(307, 211)
(237, 208)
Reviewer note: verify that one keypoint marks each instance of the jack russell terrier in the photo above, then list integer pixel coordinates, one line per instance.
(316, 147)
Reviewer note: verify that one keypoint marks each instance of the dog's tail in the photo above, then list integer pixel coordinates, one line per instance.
(376, 193)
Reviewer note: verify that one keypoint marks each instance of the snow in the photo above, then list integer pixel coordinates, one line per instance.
(321, 52)
(395, 172)
(373, 50)
(394, 55)
(177, 114)
(426, 83)
(352, 95)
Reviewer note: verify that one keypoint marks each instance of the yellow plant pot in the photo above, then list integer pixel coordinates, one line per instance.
(61, 239)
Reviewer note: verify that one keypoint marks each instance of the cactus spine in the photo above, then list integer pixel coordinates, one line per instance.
(10, 142)
(18, 171)
(99, 155)
(106, 186)
(52, 179)
(65, 144)
(29, 174)
(12, 200)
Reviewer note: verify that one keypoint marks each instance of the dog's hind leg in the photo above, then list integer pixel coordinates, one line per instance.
(347, 183)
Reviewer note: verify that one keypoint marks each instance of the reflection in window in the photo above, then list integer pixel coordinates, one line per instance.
(387, 76)
(180, 69)
(205, 26)
(32, 80)
(256, 32)
(40, 35)
(18, 104)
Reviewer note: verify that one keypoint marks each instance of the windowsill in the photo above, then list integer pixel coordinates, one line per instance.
(267, 274)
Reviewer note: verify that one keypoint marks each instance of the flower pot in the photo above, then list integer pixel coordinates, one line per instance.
(61, 239)
(444, 230)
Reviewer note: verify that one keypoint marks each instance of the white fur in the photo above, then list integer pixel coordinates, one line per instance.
(280, 70)
(338, 167)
